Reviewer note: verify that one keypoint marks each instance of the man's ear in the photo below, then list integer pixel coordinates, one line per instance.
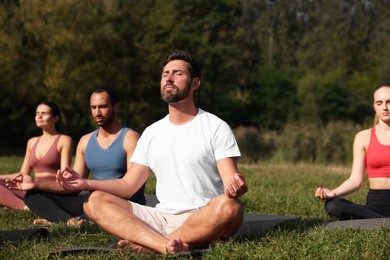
(117, 106)
(196, 83)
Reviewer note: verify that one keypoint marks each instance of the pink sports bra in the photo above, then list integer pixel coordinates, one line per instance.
(50, 162)
(377, 158)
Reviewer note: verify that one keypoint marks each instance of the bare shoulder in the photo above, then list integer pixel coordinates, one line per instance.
(364, 134)
(66, 139)
(132, 135)
(362, 138)
(130, 141)
(84, 140)
(31, 141)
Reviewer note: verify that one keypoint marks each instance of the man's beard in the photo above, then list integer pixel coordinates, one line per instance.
(108, 120)
(176, 97)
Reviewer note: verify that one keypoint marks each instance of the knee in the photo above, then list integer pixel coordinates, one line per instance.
(230, 208)
(230, 213)
(31, 197)
(93, 203)
(332, 207)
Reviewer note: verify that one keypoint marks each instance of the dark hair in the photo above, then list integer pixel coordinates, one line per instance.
(112, 94)
(184, 56)
(55, 111)
(385, 84)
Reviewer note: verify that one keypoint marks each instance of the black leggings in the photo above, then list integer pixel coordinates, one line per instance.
(61, 208)
(377, 206)
(55, 207)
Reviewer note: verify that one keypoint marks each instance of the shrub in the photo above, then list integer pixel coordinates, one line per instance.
(253, 145)
(315, 143)
(298, 142)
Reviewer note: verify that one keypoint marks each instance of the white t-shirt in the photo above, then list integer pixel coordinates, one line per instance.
(183, 158)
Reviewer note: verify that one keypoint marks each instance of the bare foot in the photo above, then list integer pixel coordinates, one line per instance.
(42, 221)
(126, 244)
(76, 222)
(176, 245)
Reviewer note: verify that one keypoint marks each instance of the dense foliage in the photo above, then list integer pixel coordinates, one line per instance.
(265, 63)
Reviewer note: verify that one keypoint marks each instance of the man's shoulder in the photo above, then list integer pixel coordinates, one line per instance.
(204, 115)
(158, 123)
(85, 138)
(131, 134)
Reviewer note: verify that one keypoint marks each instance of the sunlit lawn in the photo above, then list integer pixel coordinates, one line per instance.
(283, 189)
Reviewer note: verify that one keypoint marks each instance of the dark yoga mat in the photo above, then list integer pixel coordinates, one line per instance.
(258, 224)
(16, 236)
(151, 200)
(371, 223)
(54, 254)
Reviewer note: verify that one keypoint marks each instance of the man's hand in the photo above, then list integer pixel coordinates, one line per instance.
(20, 182)
(70, 180)
(237, 186)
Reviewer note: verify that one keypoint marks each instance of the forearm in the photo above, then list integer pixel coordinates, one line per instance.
(52, 186)
(4, 177)
(346, 188)
(117, 187)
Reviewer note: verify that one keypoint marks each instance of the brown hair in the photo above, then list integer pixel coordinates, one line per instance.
(184, 56)
(55, 111)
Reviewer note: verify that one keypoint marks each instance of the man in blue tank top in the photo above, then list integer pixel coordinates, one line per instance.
(105, 153)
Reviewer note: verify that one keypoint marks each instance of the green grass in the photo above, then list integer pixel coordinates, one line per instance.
(282, 189)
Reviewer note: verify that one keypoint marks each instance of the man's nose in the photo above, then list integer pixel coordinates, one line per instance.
(170, 81)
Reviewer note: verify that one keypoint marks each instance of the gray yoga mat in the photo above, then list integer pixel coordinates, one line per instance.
(371, 223)
(259, 224)
(151, 200)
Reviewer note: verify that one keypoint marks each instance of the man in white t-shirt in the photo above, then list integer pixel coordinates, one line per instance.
(193, 155)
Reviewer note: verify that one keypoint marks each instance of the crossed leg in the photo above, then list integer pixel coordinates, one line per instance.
(11, 198)
(219, 219)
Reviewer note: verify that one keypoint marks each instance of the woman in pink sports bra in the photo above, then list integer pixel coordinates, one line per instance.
(371, 153)
(45, 154)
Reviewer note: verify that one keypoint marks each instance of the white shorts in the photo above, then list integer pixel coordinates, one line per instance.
(161, 222)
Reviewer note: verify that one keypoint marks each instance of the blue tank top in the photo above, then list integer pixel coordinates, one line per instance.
(109, 163)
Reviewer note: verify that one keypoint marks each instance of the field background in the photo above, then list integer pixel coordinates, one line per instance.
(279, 189)
(294, 80)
